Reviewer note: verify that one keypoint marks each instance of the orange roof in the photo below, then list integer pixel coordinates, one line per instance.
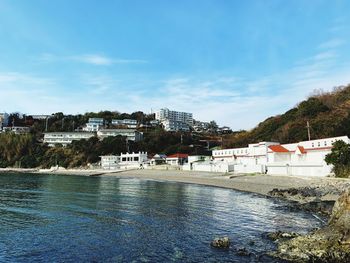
(302, 149)
(178, 155)
(278, 149)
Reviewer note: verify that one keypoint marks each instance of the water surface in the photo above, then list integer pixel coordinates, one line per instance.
(48, 218)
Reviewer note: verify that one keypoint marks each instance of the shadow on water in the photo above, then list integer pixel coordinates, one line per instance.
(71, 218)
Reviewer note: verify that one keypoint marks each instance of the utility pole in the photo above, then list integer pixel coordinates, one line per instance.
(62, 123)
(46, 123)
(73, 125)
(181, 139)
(308, 130)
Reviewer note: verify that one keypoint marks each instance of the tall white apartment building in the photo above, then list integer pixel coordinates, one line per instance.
(4, 117)
(175, 120)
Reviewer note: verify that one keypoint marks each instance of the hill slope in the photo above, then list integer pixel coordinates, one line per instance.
(327, 112)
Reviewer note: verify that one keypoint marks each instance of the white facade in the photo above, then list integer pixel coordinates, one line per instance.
(131, 124)
(174, 120)
(17, 129)
(131, 135)
(4, 118)
(110, 162)
(304, 158)
(133, 159)
(175, 126)
(94, 125)
(64, 138)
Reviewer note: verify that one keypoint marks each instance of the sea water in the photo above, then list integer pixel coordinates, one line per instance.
(51, 218)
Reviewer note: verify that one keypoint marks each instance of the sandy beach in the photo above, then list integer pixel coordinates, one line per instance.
(324, 189)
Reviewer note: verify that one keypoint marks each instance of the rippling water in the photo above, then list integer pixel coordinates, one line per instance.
(48, 218)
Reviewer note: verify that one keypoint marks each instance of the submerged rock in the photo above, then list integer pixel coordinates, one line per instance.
(243, 252)
(220, 242)
(328, 244)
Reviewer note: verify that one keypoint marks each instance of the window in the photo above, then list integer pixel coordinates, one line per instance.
(325, 143)
(319, 144)
(312, 145)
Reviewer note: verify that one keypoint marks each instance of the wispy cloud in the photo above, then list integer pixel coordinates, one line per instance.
(92, 59)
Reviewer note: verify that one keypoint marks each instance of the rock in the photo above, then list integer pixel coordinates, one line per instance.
(220, 242)
(281, 235)
(328, 244)
(243, 252)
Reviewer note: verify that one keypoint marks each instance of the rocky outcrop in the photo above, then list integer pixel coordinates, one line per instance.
(221, 242)
(328, 244)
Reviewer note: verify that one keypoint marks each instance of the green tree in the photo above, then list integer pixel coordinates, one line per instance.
(340, 159)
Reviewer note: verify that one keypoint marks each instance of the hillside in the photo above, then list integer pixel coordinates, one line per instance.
(327, 112)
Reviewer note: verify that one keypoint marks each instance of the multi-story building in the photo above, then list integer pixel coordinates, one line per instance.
(4, 118)
(131, 124)
(65, 138)
(131, 135)
(94, 125)
(174, 120)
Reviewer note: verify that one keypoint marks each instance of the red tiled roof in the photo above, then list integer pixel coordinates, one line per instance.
(302, 149)
(278, 149)
(178, 155)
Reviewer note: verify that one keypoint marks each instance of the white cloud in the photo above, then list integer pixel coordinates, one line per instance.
(92, 59)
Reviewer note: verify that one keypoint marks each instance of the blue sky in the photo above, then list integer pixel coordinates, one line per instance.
(236, 62)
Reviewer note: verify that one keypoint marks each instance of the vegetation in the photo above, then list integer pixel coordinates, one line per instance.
(340, 159)
(327, 112)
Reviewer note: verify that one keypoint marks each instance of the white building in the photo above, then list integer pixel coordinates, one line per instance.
(94, 125)
(174, 120)
(133, 159)
(64, 138)
(130, 124)
(40, 116)
(131, 135)
(175, 126)
(177, 159)
(4, 118)
(17, 129)
(110, 162)
(304, 158)
(158, 159)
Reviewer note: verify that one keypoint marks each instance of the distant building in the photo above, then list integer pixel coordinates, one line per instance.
(131, 135)
(174, 120)
(224, 130)
(110, 162)
(40, 116)
(17, 129)
(94, 124)
(177, 159)
(158, 159)
(4, 118)
(133, 158)
(65, 138)
(131, 124)
(201, 126)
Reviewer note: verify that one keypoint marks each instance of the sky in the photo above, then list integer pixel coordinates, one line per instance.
(235, 62)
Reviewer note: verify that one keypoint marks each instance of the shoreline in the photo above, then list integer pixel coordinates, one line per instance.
(297, 189)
